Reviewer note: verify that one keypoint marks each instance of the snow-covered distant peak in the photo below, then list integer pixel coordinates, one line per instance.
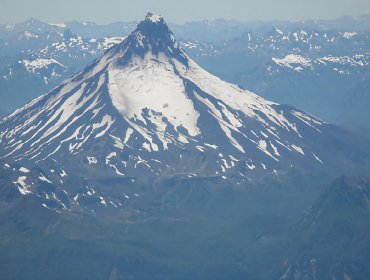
(27, 35)
(349, 35)
(9, 27)
(293, 61)
(337, 64)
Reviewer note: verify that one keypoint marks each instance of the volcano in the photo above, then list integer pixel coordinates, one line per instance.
(146, 109)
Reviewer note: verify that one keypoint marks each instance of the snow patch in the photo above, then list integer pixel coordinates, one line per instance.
(250, 165)
(61, 25)
(92, 160)
(129, 131)
(44, 179)
(317, 158)
(117, 142)
(22, 185)
(24, 170)
(33, 65)
(298, 149)
(102, 201)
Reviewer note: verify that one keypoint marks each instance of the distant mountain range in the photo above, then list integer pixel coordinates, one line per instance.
(322, 72)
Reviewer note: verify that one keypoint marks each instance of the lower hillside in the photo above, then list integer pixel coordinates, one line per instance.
(301, 228)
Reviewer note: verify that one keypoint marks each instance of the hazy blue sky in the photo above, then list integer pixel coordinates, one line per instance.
(105, 11)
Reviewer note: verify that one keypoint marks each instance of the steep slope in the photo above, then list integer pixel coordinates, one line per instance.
(331, 240)
(145, 108)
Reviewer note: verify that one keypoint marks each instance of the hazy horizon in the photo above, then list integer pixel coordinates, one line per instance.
(177, 23)
(190, 10)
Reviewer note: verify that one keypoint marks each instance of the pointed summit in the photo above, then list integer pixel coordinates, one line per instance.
(153, 23)
(151, 36)
(154, 27)
(156, 19)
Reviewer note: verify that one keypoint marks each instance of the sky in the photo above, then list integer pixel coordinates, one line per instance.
(107, 11)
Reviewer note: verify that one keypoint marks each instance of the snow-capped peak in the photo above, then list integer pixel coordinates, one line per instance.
(151, 36)
(154, 18)
(145, 106)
